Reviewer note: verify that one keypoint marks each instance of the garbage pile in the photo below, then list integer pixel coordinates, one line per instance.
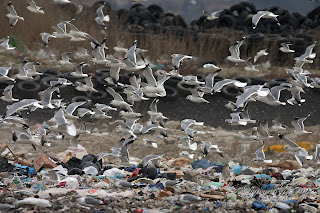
(155, 184)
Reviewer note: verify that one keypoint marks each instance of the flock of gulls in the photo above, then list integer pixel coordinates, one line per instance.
(132, 59)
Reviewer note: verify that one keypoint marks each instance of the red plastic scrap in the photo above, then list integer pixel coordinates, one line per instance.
(62, 184)
(135, 173)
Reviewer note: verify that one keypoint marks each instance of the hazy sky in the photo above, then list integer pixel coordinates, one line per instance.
(192, 9)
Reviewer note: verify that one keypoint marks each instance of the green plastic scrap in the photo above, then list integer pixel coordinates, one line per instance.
(15, 42)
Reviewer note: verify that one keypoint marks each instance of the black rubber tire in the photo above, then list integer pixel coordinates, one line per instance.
(201, 77)
(258, 81)
(45, 82)
(243, 79)
(70, 77)
(218, 78)
(239, 8)
(273, 83)
(102, 72)
(87, 105)
(50, 73)
(282, 79)
(249, 7)
(98, 97)
(276, 10)
(173, 81)
(183, 89)
(227, 21)
(153, 8)
(28, 89)
(230, 91)
(172, 93)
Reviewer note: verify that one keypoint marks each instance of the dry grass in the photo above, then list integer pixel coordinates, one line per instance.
(211, 46)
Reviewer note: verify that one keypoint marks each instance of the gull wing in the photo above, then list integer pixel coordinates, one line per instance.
(32, 4)
(260, 154)
(257, 17)
(73, 106)
(131, 53)
(59, 117)
(149, 76)
(115, 95)
(11, 9)
(99, 11)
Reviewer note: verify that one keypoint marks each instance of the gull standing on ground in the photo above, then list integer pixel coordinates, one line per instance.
(213, 16)
(4, 71)
(259, 54)
(89, 201)
(78, 73)
(12, 15)
(298, 125)
(101, 17)
(34, 8)
(249, 66)
(45, 38)
(263, 14)
(235, 52)
(7, 94)
(285, 48)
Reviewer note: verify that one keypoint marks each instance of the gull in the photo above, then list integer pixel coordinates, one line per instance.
(4, 71)
(260, 157)
(61, 82)
(34, 8)
(259, 54)
(249, 66)
(23, 73)
(124, 153)
(115, 66)
(315, 81)
(186, 123)
(235, 52)
(7, 94)
(263, 129)
(21, 105)
(317, 153)
(231, 106)
(307, 54)
(152, 161)
(45, 38)
(301, 156)
(273, 98)
(186, 144)
(62, 124)
(249, 93)
(189, 198)
(89, 201)
(74, 31)
(26, 138)
(98, 53)
(130, 59)
(130, 114)
(65, 59)
(61, 30)
(31, 69)
(101, 110)
(220, 84)
(296, 97)
(153, 88)
(186, 154)
(236, 120)
(191, 80)
(81, 54)
(206, 146)
(209, 82)
(211, 67)
(277, 126)
(87, 87)
(83, 111)
(78, 73)
(150, 143)
(120, 47)
(71, 108)
(285, 48)
(132, 67)
(47, 95)
(118, 100)
(298, 125)
(291, 146)
(12, 15)
(177, 60)
(134, 95)
(121, 184)
(35, 202)
(153, 112)
(196, 96)
(263, 14)
(245, 115)
(213, 16)
(155, 127)
(5, 47)
(61, 1)
(101, 17)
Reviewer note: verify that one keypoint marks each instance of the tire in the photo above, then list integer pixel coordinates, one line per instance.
(155, 9)
(98, 97)
(273, 83)
(102, 72)
(70, 77)
(201, 77)
(227, 21)
(249, 7)
(45, 82)
(173, 81)
(237, 8)
(258, 81)
(276, 10)
(283, 79)
(50, 73)
(243, 79)
(230, 91)
(218, 78)
(172, 93)
(183, 89)
(28, 89)
(35, 78)
(87, 105)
